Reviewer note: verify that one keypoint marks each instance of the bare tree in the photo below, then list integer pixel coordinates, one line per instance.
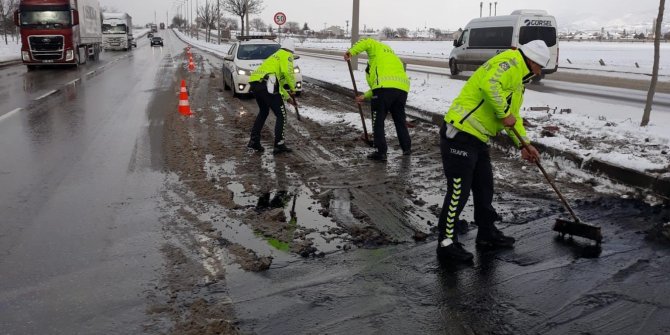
(388, 32)
(207, 19)
(403, 32)
(654, 72)
(241, 8)
(292, 27)
(230, 23)
(7, 8)
(258, 24)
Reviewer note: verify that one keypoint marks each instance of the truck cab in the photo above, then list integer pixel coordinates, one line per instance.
(58, 31)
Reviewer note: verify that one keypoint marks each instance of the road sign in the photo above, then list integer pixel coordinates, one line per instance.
(280, 18)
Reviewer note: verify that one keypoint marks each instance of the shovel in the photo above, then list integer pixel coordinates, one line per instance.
(366, 138)
(563, 226)
(295, 105)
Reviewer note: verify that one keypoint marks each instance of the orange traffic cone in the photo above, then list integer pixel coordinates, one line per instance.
(191, 65)
(184, 108)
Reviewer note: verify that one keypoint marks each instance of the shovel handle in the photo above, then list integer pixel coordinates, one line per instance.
(360, 109)
(295, 105)
(546, 175)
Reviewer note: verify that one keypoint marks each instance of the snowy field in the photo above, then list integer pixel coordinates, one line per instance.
(617, 56)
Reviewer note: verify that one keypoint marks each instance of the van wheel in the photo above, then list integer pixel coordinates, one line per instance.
(453, 67)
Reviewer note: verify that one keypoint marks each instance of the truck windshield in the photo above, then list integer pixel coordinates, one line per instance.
(109, 29)
(256, 51)
(49, 19)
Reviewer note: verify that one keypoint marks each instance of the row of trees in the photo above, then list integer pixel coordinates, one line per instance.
(7, 27)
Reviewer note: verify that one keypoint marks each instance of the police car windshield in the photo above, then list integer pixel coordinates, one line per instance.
(256, 51)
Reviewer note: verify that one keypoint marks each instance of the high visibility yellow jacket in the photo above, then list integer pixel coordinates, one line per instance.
(280, 64)
(385, 69)
(493, 92)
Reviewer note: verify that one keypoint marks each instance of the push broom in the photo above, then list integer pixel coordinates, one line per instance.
(563, 226)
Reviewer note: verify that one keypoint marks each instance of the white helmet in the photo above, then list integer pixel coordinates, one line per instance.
(288, 44)
(537, 51)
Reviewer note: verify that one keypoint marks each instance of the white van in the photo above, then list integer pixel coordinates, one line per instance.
(486, 37)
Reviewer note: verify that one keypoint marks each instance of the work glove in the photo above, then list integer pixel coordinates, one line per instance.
(530, 154)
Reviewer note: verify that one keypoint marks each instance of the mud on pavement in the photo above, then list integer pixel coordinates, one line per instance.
(324, 205)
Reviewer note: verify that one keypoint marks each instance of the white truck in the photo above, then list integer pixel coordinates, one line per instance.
(117, 31)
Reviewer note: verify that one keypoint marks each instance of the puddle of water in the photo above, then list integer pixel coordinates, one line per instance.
(216, 170)
(240, 197)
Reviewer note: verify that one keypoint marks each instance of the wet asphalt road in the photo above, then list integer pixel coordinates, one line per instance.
(80, 168)
(82, 178)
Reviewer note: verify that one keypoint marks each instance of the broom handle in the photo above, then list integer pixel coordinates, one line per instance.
(537, 162)
(360, 109)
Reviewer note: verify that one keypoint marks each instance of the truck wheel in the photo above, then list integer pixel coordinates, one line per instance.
(453, 67)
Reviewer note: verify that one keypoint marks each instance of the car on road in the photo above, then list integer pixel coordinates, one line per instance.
(156, 41)
(244, 56)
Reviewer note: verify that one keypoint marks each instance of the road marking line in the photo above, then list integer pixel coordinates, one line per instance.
(72, 82)
(9, 114)
(46, 95)
(90, 73)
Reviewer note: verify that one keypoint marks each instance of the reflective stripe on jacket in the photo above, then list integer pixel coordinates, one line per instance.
(280, 64)
(492, 93)
(385, 69)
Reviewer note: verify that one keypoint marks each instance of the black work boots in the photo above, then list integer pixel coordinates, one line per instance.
(255, 146)
(493, 238)
(454, 251)
(281, 148)
(377, 156)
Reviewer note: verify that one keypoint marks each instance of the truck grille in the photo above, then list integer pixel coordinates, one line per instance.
(46, 47)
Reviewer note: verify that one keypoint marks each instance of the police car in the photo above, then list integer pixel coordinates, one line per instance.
(245, 56)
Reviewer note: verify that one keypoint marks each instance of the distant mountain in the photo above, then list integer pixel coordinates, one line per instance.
(640, 22)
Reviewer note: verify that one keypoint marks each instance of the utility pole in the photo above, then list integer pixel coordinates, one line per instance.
(347, 21)
(495, 8)
(481, 4)
(354, 31)
(197, 27)
(489, 8)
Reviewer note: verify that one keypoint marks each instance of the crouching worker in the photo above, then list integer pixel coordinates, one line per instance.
(272, 83)
(488, 103)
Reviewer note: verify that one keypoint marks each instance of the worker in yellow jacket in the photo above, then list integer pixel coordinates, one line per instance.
(488, 103)
(272, 83)
(389, 86)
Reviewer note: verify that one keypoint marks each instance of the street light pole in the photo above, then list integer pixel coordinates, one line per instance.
(354, 31)
(481, 4)
(489, 8)
(495, 8)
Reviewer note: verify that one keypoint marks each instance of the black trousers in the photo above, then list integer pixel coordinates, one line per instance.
(467, 166)
(267, 101)
(385, 100)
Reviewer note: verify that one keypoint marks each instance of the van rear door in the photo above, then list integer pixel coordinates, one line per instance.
(541, 28)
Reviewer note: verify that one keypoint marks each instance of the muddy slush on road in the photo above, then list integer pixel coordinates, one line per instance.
(322, 240)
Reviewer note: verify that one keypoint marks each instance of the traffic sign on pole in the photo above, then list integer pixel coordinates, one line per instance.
(280, 18)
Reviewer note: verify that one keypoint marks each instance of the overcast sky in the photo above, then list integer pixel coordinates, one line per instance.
(443, 14)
